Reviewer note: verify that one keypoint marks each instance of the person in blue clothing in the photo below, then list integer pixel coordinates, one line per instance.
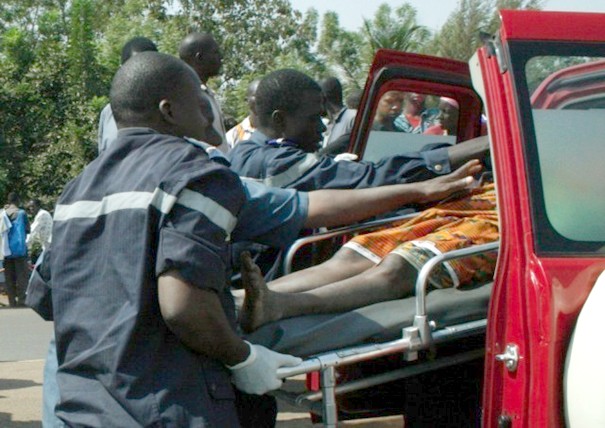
(139, 268)
(281, 152)
(16, 270)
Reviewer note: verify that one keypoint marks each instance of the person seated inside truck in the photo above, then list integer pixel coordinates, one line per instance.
(280, 153)
(447, 119)
(382, 265)
(388, 110)
(416, 117)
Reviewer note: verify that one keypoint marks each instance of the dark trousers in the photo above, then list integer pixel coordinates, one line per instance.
(16, 275)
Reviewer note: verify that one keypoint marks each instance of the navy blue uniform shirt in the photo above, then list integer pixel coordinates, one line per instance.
(150, 204)
(288, 166)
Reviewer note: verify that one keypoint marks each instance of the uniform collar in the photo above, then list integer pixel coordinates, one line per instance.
(281, 142)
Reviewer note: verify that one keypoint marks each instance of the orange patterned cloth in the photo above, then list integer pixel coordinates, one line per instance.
(460, 223)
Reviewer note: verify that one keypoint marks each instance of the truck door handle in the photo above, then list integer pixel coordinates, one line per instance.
(510, 357)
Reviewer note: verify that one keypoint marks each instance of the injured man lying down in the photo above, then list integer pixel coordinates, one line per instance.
(382, 265)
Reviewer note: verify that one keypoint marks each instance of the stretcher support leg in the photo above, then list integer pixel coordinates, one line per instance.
(328, 384)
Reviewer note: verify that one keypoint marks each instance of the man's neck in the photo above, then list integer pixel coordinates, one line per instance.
(253, 120)
(412, 111)
(268, 132)
(333, 110)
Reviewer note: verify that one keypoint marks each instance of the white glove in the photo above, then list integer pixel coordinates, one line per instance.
(345, 157)
(257, 374)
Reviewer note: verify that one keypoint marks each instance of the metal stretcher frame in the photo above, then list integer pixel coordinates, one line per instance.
(421, 335)
(346, 230)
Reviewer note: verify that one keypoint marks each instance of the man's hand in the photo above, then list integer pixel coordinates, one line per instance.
(460, 180)
(258, 373)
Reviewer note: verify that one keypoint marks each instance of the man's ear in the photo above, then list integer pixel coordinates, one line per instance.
(165, 108)
(278, 121)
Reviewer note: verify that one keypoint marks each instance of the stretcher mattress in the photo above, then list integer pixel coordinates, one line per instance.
(313, 334)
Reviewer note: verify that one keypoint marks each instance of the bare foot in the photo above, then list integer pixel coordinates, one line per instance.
(259, 305)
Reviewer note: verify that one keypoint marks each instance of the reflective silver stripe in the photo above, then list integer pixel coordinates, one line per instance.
(116, 202)
(163, 201)
(215, 212)
(294, 172)
(251, 179)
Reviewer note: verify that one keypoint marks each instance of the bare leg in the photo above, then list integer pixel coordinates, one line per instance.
(342, 265)
(259, 305)
(392, 279)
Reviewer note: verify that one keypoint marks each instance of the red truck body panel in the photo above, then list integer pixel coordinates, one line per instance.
(538, 294)
(536, 298)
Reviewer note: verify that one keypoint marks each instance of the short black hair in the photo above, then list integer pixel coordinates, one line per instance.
(354, 98)
(332, 90)
(194, 43)
(281, 90)
(142, 82)
(13, 198)
(137, 45)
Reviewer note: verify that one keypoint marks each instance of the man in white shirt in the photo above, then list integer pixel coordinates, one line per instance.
(41, 228)
(243, 130)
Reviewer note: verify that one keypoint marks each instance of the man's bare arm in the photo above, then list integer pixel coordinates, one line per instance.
(340, 207)
(460, 153)
(197, 318)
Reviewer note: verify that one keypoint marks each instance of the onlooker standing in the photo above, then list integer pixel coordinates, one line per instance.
(108, 131)
(16, 272)
(243, 130)
(341, 118)
(41, 227)
(203, 54)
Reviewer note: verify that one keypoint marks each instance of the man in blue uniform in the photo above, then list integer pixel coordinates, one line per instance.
(281, 152)
(139, 268)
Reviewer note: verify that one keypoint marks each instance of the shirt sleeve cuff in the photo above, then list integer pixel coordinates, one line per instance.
(194, 260)
(437, 161)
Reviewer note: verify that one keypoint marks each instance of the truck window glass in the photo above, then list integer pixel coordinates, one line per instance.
(408, 121)
(568, 113)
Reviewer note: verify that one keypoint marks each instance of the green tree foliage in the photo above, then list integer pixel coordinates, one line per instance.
(395, 29)
(349, 54)
(459, 36)
(342, 51)
(57, 59)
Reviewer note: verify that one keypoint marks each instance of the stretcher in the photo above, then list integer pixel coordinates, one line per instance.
(407, 327)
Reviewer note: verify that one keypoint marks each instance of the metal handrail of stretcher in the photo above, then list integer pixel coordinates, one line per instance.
(345, 230)
(415, 338)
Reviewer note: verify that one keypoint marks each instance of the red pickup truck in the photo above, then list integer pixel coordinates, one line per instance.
(538, 89)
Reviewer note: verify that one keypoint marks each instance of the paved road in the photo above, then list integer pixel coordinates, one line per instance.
(24, 338)
(23, 335)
